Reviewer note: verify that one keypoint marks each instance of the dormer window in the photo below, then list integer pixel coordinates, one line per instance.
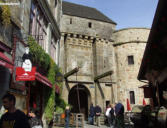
(90, 25)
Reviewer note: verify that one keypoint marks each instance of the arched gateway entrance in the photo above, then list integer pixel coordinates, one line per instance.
(83, 95)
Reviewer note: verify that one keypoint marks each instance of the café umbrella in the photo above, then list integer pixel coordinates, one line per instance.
(128, 105)
(144, 102)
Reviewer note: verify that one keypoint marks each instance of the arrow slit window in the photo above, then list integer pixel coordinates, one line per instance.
(132, 97)
(130, 60)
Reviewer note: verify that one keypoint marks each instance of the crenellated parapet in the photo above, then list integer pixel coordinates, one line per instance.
(81, 40)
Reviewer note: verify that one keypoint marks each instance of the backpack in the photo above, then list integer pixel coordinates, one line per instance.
(111, 111)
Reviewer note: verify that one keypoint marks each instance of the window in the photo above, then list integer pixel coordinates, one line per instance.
(38, 24)
(130, 60)
(55, 3)
(89, 24)
(70, 20)
(132, 97)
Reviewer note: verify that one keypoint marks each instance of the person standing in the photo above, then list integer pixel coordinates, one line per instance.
(98, 113)
(107, 114)
(91, 114)
(67, 116)
(112, 115)
(119, 111)
(13, 118)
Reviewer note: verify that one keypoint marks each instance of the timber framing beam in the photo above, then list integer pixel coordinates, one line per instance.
(71, 72)
(103, 75)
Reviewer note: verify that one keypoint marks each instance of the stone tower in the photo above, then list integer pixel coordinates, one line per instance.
(129, 45)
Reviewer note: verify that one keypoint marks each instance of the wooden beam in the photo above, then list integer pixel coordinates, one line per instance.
(81, 82)
(71, 72)
(103, 75)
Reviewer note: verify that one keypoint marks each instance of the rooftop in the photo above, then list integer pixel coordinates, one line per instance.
(84, 12)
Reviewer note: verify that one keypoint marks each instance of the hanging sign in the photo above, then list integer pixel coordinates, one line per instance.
(26, 72)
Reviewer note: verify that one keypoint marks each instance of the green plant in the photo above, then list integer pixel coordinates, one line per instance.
(5, 15)
(43, 60)
(49, 110)
(59, 110)
(39, 56)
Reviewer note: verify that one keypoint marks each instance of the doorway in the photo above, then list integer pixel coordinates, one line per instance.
(79, 98)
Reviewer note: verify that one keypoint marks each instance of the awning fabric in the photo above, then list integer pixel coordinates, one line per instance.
(6, 62)
(42, 79)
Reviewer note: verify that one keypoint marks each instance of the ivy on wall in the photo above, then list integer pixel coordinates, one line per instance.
(5, 14)
(43, 60)
(39, 57)
(49, 109)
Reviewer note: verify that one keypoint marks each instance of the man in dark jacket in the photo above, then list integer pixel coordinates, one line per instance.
(91, 114)
(13, 118)
(98, 113)
(119, 111)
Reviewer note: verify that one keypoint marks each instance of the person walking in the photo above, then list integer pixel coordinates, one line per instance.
(119, 111)
(112, 115)
(67, 116)
(13, 118)
(91, 114)
(97, 114)
(108, 115)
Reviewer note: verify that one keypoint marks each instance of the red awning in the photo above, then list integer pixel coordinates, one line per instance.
(6, 62)
(42, 79)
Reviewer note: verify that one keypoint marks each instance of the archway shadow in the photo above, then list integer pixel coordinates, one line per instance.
(84, 97)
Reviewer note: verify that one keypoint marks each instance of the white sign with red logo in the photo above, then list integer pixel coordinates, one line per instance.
(26, 72)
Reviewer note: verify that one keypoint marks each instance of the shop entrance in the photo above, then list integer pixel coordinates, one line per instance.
(79, 95)
(36, 97)
(4, 81)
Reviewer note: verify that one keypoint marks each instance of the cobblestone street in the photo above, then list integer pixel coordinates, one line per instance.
(86, 125)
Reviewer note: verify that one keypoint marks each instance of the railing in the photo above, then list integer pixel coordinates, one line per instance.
(76, 120)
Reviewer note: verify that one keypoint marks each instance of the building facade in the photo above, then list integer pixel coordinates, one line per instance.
(90, 42)
(40, 20)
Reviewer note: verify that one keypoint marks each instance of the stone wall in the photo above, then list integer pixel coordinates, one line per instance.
(80, 26)
(129, 42)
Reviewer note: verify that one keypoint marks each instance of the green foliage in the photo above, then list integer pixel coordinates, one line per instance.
(52, 73)
(5, 15)
(60, 102)
(59, 110)
(43, 60)
(49, 110)
(39, 56)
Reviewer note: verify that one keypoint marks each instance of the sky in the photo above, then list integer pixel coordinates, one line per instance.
(126, 13)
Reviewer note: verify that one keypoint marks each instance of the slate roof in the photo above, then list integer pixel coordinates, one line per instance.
(84, 12)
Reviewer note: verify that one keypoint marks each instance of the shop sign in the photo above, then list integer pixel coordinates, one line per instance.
(26, 72)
